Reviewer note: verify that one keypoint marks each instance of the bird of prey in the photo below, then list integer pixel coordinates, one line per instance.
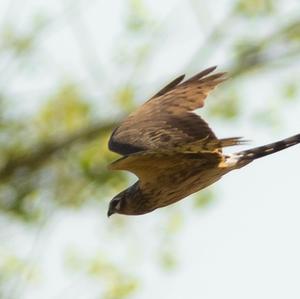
(172, 150)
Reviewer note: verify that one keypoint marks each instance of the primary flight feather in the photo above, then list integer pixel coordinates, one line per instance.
(172, 150)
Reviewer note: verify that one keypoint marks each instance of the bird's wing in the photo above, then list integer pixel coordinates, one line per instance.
(150, 166)
(167, 120)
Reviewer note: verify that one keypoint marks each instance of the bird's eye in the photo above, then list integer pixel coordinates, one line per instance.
(117, 204)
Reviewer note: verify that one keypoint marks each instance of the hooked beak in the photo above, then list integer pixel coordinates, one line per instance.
(110, 212)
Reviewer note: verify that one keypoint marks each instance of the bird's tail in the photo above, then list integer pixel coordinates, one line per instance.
(245, 157)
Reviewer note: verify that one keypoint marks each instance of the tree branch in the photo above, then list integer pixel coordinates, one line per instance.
(35, 158)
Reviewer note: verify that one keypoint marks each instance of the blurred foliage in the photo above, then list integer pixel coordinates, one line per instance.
(255, 7)
(16, 44)
(13, 272)
(138, 17)
(290, 91)
(168, 259)
(64, 112)
(227, 108)
(55, 158)
(269, 117)
(115, 284)
(205, 198)
(125, 97)
(19, 42)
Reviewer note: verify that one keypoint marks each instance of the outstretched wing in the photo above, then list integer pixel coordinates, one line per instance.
(150, 166)
(167, 120)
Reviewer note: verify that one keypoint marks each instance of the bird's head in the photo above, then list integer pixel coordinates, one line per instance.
(121, 203)
(114, 206)
(129, 202)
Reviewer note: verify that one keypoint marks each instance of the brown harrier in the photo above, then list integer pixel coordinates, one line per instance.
(173, 151)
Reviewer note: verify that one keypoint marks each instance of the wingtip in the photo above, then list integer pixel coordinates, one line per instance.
(202, 75)
(208, 70)
(180, 78)
(243, 141)
(214, 67)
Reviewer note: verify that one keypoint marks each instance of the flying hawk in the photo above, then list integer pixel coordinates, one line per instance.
(173, 151)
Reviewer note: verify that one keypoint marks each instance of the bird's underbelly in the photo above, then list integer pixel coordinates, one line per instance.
(173, 188)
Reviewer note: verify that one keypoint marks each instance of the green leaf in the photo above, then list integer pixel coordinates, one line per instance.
(251, 8)
(290, 91)
(204, 198)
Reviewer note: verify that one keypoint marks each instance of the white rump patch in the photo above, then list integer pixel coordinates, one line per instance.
(232, 160)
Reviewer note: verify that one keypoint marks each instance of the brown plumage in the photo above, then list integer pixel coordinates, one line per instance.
(173, 151)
